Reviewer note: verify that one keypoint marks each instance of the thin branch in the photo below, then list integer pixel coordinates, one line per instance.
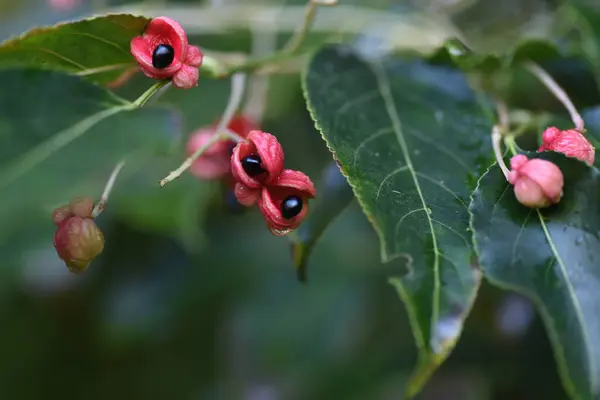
(238, 84)
(503, 118)
(161, 91)
(263, 43)
(558, 92)
(99, 207)
(227, 135)
(147, 95)
(496, 140)
(309, 17)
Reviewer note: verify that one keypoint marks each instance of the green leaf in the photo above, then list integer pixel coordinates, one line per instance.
(550, 255)
(410, 137)
(61, 136)
(97, 48)
(528, 50)
(591, 116)
(584, 17)
(334, 195)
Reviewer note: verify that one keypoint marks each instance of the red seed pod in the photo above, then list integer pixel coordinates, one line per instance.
(570, 142)
(163, 52)
(60, 214)
(284, 204)
(537, 183)
(246, 196)
(80, 207)
(258, 161)
(78, 241)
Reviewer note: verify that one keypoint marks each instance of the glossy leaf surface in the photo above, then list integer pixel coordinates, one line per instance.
(410, 137)
(96, 48)
(550, 255)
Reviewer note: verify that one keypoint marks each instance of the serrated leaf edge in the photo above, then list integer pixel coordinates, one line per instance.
(46, 28)
(557, 346)
(412, 388)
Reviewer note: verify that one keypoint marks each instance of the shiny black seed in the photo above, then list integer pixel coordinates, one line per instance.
(291, 206)
(163, 56)
(252, 165)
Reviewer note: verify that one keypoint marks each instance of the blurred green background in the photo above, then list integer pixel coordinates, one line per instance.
(194, 299)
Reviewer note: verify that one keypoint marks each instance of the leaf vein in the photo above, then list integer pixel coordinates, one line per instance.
(458, 272)
(47, 51)
(104, 68)
(357, 101)
(441, 149)
(379, 133)
(518, 237)
(113, 44)
(388, 176)
(45, 149)
(442, 186)
(451, 229)
(399, 223)
(578, 312)
(388, 99)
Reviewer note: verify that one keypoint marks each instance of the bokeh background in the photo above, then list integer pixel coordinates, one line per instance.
(194, 299)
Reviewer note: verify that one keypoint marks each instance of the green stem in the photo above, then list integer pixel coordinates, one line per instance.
(511, 144)
(257, 63)
(213, 68)
(238, 84)
(496, 140)
(99, 207)
(226, 135)
(310, 13)
(147, 95)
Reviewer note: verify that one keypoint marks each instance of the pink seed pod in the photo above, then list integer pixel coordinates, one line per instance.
(570, 142)
(78, 241)
(537, 183)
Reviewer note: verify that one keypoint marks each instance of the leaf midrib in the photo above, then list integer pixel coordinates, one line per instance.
(45, 149)
(578, 313)
(383, 84)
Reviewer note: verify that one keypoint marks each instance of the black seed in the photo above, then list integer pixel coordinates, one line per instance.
(163, 56)
(252, 165)
(291, 206)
